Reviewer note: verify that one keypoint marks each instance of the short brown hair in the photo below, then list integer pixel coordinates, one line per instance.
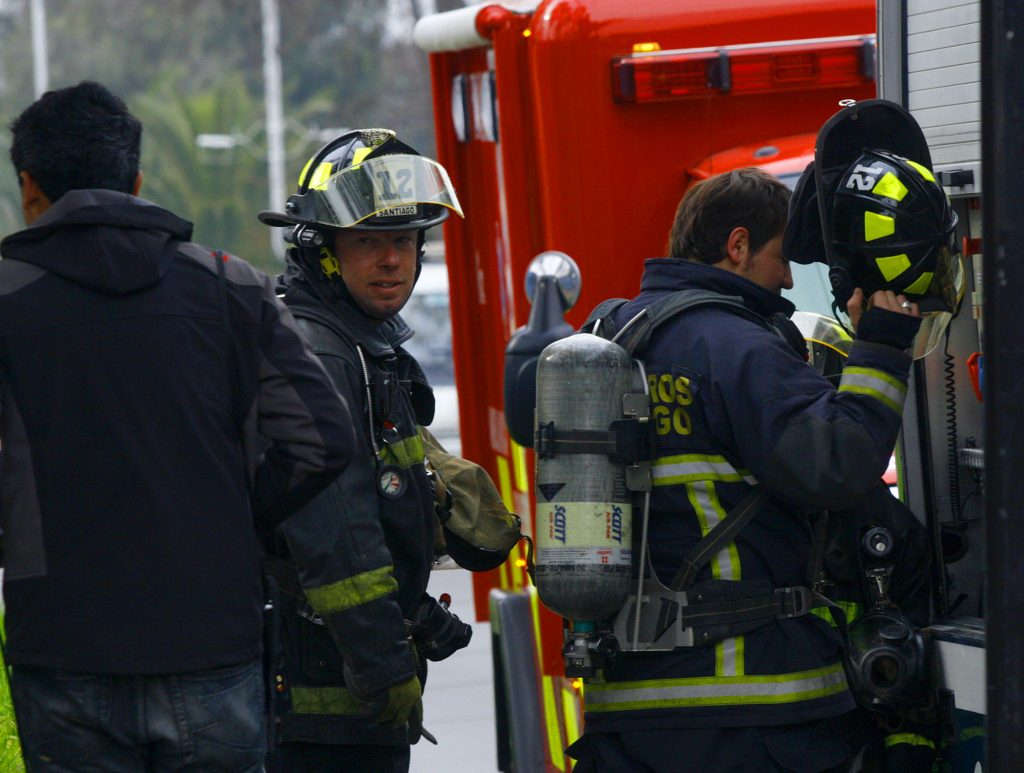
(749, 198)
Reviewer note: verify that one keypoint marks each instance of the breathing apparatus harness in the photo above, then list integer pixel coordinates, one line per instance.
(684, 613)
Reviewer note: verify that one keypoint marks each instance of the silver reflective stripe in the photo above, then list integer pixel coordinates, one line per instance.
(870, 382)
(690, 468)
(716, 691)
(724, 566)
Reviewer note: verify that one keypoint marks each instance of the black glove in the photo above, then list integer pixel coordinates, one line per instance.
(882, 326)
(437, 632)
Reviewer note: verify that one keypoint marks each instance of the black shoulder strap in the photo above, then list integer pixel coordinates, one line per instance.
(721, 535)
(600, 321)
(637, 331)
(635, 334)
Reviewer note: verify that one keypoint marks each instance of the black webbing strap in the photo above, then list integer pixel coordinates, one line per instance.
(794, 601)
(817, 560)
(635, 333)
(720, 536)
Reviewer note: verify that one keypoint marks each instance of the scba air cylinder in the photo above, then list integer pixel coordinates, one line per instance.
(584, 513)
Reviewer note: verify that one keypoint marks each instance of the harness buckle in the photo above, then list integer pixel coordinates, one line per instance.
(795, 601)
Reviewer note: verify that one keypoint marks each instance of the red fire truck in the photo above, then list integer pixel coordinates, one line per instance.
(575, 126)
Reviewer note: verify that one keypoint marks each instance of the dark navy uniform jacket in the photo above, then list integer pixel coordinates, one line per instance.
(734, 405)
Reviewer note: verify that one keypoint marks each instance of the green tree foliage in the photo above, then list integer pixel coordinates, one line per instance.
(188, 67)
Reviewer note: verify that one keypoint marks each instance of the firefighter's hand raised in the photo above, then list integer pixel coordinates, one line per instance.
(887, 318)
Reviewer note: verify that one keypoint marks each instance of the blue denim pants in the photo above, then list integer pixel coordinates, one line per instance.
(71, 722)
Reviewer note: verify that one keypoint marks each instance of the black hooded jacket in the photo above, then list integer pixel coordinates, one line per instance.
(127, 498)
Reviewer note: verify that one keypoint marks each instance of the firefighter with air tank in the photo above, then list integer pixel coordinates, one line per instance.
(699, 637)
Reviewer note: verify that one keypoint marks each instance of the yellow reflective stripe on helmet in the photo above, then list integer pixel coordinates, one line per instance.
(892, 266)
(908, 739)
(405, 453)
(690, 468)
(321, 175)
(360, 154)
(325, 700)
(878, 226)
(716, 691)
(353, 591)
(874, 383)
(921, 284)
(890, 187)
(924, 171)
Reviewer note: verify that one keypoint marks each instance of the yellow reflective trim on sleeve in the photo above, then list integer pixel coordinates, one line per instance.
(716, 691)
(921, 284)
(870, 382)
(353, 591)
(924, 171)
(406, 453)
(333, 701)
(908, 739)
(892, 266)
(554, 732)
(878, 226)
(890, 187)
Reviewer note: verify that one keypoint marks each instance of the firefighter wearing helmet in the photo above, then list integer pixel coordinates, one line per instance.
(351, 568)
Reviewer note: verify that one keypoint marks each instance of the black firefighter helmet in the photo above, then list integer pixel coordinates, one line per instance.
(367, 180)
(870, 207)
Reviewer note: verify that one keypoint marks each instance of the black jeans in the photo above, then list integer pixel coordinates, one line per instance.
(71, 722)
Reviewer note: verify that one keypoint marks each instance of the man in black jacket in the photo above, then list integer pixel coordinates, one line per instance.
(136, 370)
(353, 565)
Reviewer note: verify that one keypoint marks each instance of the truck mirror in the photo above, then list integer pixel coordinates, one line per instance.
(553, 287)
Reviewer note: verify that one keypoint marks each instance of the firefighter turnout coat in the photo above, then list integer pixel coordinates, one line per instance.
(353, 565)
(734, 405)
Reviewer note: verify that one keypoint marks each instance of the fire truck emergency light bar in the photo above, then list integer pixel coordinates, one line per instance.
(758, 68)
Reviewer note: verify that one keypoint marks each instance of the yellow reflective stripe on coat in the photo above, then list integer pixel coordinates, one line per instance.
(878, 384)
(405, 453)
(690, 468)
(908, 739)
(716, 691)
(352, 591)
(326, 700)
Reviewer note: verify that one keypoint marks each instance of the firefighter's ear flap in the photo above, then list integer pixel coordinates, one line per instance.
(803, 240)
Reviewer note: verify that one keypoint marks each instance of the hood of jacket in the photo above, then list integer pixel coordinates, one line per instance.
(107, 241)
(679, 274)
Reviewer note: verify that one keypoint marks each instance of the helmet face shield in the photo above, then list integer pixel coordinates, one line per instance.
(392, 191)
(828, 343)
(940, 303)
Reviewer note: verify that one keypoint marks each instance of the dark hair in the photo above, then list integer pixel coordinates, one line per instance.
(708, 212)
(77, 137)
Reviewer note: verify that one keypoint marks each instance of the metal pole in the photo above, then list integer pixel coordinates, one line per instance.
(40, 58)
(1002, 46)
(274, 116)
